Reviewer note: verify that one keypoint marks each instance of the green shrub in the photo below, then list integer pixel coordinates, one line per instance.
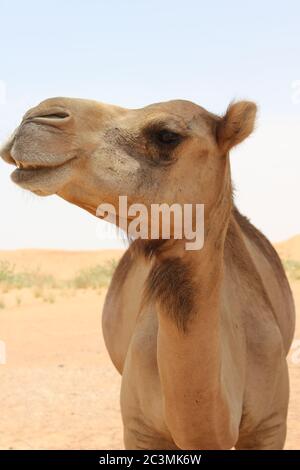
(94, 277)
(49, 298)
(10, 278)
(292, 268)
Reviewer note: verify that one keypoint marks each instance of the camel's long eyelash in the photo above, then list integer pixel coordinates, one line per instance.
(167, 137)
(163, 136)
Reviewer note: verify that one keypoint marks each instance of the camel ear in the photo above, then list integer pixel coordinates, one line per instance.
(236, 125)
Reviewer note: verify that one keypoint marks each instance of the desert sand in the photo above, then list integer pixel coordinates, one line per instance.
(59, 389)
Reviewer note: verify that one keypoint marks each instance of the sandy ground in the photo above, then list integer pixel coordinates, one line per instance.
(58, 386)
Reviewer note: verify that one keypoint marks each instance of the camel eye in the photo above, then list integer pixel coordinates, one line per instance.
(167, 137)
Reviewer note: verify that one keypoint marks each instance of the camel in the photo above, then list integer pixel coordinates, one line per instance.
(200, 337)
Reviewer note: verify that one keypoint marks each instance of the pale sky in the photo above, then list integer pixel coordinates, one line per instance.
(134, 52)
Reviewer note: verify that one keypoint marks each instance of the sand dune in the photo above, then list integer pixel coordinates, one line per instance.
(65, 264)
(289, 249)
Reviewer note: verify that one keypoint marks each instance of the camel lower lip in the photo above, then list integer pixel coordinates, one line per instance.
(20, 175)
(24, 176)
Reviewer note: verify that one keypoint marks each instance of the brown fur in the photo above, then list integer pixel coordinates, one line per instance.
(170, 284)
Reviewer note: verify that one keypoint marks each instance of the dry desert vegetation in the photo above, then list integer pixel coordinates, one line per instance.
(58, 386)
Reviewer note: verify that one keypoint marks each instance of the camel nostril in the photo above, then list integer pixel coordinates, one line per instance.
(60, 115)
(52, 116)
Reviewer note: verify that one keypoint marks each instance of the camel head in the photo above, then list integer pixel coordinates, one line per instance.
(89, 153)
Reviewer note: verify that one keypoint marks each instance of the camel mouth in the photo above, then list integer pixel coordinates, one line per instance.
(33, 166)
(39, 179)
(26, 170)
(41, 172)
(28, 167)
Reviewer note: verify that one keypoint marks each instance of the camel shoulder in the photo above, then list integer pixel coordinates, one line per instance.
(253, 262)
(241, 226)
